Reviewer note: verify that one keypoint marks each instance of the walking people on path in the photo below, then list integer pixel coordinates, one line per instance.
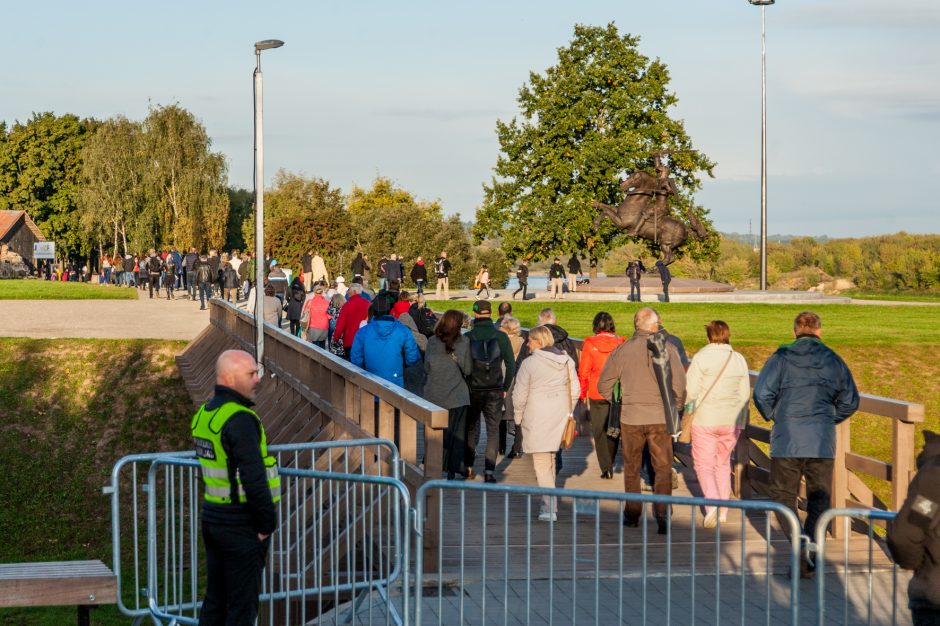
(315, 317)
(574, 271)
(594, 354)
(353, 313)
(489, 380)
(666, 277)
(442, 273)
(643, 410)
(419, 274)
(556, 277)
(522, 275)
(635, 271)
(544, 395)
(483, 281)
(384, 346)
(717, 390)
(805, 389)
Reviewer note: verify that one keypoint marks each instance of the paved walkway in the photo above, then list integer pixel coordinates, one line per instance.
(104, 319)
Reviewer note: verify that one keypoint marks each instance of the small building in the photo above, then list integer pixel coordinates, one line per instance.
(18, 232)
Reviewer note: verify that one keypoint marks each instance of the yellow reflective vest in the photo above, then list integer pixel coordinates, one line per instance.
(207, 436)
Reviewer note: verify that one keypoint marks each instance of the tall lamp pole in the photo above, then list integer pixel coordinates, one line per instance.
(259, 202)
(763, 4)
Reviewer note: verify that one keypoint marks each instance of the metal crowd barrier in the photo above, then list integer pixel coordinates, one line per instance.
(176, 511)
(863, 589)
(586, 567)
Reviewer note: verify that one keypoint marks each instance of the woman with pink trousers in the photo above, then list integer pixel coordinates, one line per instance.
(717, 390)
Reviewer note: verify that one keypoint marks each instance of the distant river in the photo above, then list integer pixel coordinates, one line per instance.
(536, 283)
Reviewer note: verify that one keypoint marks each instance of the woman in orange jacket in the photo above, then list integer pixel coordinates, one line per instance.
(594, 355)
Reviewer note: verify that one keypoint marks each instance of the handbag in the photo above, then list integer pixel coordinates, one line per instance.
(336, 347)
(685, 435)
(613, 413)
(571, 426)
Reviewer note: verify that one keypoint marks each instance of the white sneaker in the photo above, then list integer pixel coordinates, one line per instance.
(546, 516)
(723, 516)
(711, 519)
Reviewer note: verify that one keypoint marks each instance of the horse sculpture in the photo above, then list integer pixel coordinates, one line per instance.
(645, 213)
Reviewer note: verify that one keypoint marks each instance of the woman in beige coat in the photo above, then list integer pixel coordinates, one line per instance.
(546, 389)
(720, 416)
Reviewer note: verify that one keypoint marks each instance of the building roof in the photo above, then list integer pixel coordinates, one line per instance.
(9, 219)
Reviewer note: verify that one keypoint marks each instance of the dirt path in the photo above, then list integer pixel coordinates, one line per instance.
(103, 319)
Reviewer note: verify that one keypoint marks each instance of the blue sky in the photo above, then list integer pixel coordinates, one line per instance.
(411, 90)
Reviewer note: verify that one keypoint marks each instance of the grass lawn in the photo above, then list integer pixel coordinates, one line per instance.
(54, 290)
(69, 409)
(895, 297)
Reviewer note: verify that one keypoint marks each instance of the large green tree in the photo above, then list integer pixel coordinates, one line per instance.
(112, 202)
(186, 181)
(387, 219)
(301, 214)
(601, 112)
(40, 173)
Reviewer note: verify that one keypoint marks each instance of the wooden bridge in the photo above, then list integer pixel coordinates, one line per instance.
(308, 394)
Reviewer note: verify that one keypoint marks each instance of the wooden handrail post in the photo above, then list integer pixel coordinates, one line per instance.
(840, 475)
(902, 462)
(433, 468)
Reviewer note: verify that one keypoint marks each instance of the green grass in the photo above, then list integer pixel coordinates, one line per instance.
(69, 409)
(751, 324)
(894, 297)
(54, 290)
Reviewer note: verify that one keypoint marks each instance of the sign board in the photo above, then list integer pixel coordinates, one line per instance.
(44, 250)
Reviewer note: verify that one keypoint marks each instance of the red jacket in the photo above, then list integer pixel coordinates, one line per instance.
(353, 313)
(594, 353)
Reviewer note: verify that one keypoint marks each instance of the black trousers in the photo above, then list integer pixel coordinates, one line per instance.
(154, 283)
(666, 291)
(455, 440)
(604, 446)
(523, 287)
(634, 288)
(491, 405)
(235, 559)
(785, 475)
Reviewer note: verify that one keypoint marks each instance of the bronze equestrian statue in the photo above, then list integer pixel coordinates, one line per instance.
(645, 212)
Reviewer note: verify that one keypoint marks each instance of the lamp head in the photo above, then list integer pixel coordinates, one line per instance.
(761, 3)
(267, 44)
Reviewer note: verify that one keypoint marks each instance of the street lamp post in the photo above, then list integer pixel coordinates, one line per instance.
(259, 202)
(763, 4)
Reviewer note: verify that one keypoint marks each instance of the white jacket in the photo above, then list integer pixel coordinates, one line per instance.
(727, 401)
(542, 400)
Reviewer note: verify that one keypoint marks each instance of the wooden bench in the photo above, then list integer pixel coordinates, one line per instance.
(64, 583)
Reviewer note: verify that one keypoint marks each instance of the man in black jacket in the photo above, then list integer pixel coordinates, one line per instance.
(189, 272)
(914, 537)
(666, 277)
(419, 274)
(522, 275)
(154, 271)
(556, 279)
(635, 271)
(239, 512)
(442, 273)
(574, 270)
(487, 345)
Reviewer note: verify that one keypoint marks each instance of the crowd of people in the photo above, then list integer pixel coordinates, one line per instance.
(636, 393)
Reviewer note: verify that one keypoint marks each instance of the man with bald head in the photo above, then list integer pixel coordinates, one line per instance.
(241, 486)
(643, 412)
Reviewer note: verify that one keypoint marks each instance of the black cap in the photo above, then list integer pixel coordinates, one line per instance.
(482, 306)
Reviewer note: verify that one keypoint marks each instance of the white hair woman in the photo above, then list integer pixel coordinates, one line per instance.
(546, 389)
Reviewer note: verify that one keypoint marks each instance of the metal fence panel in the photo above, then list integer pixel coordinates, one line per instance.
(501, 564)
(856, 581)
(128, 491)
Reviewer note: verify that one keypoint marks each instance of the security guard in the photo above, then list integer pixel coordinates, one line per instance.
(241, 487)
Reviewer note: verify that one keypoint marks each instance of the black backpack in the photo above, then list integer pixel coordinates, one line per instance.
(487, 371)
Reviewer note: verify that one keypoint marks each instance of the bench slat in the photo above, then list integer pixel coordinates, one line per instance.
(66, 583)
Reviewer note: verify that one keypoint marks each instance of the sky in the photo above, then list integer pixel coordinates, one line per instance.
(411, 90)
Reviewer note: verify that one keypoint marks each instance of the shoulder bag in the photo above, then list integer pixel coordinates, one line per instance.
(613, 413)
(685, 436)
(571, 426)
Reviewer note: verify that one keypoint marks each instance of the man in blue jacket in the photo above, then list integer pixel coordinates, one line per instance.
(805, 389)
(385, 346)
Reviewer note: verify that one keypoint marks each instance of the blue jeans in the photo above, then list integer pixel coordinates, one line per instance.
(205, 293)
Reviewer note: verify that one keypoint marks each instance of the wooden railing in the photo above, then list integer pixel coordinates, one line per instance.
(308, 394)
